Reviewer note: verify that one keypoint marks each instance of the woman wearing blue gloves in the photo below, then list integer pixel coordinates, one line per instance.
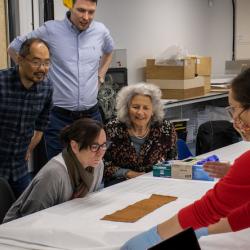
(226, 207)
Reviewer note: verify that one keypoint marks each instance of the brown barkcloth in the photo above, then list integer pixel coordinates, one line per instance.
(134, 212)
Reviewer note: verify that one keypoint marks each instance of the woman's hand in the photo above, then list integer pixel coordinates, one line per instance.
(132, 174)
(216, 169)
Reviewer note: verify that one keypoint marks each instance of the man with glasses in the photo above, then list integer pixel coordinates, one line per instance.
(25, 102)
(81, 52)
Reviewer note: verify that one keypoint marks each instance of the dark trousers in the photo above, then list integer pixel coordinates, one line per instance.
(59, 118)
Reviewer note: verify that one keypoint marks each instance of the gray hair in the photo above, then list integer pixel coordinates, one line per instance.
(126, 94)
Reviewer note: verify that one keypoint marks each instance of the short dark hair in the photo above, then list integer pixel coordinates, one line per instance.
(84, 131)
(240, 86)
(25, 47)
(94, 1)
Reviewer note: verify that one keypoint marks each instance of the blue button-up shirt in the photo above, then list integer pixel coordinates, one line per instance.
(75, 60)
(21, 112)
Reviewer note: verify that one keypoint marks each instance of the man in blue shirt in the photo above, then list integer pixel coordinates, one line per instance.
(81, 52)
(25, 102)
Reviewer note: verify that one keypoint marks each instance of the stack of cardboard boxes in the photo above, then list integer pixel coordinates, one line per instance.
(189, 78)
(203, 66)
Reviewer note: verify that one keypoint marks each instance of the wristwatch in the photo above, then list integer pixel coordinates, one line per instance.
(101, 80)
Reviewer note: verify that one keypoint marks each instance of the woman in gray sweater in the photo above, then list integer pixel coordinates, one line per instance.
(71, 174)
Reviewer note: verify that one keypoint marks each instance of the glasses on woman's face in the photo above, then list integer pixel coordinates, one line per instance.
(96, 147)
(232, 111)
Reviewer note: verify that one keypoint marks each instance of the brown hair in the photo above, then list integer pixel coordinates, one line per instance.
(94, 1)
(84, 131)
(240, 86)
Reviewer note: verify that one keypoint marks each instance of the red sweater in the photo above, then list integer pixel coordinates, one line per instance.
(229, 198)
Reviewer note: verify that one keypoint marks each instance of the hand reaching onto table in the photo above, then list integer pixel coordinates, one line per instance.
(216, 169)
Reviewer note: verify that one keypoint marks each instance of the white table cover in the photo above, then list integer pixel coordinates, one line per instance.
(77, 224)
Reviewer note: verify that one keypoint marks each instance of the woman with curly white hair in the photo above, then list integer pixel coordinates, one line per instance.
(140, 135)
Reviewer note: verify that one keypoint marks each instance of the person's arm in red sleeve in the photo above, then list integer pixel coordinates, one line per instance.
(239, 218)
(230, 193)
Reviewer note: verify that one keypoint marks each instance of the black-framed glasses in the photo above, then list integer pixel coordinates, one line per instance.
(38, 63)
(96, 147)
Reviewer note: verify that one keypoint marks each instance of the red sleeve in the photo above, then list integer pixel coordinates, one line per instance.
(240, 217)
(227, 196)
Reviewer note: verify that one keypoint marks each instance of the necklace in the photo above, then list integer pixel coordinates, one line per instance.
(141, 136)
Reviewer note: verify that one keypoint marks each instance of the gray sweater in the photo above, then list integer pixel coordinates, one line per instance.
(51, 186)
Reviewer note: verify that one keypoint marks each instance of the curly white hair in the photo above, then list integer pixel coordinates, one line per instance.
(126, 94)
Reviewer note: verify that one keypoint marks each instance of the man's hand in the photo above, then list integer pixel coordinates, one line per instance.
(216, 169)
(143, 241)
(28, 154)
(34, 141)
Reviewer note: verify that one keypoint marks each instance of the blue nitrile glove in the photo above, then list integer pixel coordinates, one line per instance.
(203, 231)
(143, 241)
(210, 158)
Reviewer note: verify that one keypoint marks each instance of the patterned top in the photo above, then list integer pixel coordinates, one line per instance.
(21, 112)
(159, 145)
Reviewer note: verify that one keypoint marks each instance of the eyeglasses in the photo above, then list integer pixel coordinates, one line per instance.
(96, 147)
(231, 111)
(38, 63)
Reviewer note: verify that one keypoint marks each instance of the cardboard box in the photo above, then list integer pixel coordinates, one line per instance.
(186, 70)
(179, 82)
(207, 84)
(182, 169)
(190, 168)
(182, 93)
(180, 89)
(200, 174)
(195, 82)
(162, 170)
(203, 65)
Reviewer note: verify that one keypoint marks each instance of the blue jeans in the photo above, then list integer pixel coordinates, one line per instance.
(57, 123)
(20, 185)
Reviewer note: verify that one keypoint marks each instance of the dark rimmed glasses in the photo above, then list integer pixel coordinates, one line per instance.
(96, 147)
(38, 63)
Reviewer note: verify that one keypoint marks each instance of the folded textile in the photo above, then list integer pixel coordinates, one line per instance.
(139, 209)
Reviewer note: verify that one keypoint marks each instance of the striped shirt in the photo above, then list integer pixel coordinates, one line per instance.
(21, 112)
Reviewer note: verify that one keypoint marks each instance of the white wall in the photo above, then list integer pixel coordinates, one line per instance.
(25, 13)
(242, 50)
(25, 17)
(220, 33)
(147, 27)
